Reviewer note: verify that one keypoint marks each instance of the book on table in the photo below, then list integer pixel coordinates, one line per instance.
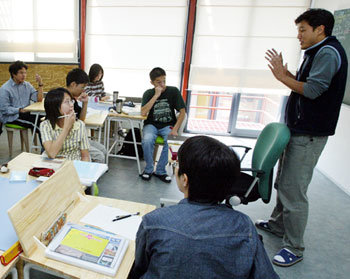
(89, 248)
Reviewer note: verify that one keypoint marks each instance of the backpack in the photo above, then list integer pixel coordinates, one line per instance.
(128, 148)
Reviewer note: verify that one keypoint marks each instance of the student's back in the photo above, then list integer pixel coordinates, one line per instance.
(198, 240)
(200, 237)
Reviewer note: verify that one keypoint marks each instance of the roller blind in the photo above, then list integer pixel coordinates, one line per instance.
(129, 38)
(39, 30)
(230, 41)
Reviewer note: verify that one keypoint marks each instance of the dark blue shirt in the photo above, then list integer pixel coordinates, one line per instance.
(196, 240)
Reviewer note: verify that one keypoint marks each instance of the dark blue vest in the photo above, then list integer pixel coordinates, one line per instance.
(317, 117)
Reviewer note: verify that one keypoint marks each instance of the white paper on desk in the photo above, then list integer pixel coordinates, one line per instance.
(132, 111)
(101, 216)
(91, 111)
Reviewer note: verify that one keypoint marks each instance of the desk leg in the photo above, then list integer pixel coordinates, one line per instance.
(107, 138)
(19, 268)
(135, 145)
(33, 135)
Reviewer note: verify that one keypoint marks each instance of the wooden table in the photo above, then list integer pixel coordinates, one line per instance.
(94, 121)
(35, 213)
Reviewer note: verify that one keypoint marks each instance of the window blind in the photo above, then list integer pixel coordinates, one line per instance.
(39, 31)
(129, 38)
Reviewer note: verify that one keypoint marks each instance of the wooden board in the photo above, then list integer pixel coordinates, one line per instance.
(34, 213)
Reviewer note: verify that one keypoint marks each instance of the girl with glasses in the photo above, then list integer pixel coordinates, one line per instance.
(62, 134)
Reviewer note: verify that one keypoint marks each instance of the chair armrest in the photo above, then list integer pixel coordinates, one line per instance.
(242, 146)
(253, 170)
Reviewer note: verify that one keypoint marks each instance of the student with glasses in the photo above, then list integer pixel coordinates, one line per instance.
(62, 134)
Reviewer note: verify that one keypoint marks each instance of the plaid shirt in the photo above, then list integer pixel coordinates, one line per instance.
(76, 140)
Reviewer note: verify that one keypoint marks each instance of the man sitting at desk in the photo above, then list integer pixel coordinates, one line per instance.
(16, 94)
(159, 105)
(76, 81)
(200, 237)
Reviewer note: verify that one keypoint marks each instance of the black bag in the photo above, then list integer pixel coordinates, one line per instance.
(128, 148)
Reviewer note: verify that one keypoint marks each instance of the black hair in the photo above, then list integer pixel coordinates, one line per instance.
(95, 69)
(16, 66)
(211, 167)
(78, 76)
(317, 17)
(156, 72)
(52, 104)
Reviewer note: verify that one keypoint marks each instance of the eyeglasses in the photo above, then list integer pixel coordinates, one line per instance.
(69, 102)
(176, 164)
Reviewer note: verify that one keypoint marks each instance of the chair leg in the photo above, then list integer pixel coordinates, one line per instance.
(10, 139)
(25, 139)
(21, 138)
(155, 152)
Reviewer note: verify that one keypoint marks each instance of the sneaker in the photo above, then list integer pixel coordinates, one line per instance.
(163, 177)
(146, 176)
(264, 225)
(286, 258)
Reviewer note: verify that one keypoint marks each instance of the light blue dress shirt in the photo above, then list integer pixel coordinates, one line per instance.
(13, 97)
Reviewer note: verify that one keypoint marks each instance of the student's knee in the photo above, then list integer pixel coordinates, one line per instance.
(148, 138)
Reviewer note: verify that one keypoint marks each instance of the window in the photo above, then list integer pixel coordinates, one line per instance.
(230, 41)
(39, 31)
(129, 38)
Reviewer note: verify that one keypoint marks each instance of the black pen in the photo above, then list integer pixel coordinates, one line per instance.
(120, 217)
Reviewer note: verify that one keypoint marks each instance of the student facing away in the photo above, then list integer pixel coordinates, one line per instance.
(76, 81)
(61, 133)
(200, 237)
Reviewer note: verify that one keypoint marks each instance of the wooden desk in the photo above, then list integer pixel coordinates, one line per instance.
(34, 214)
(94, 121)
(134, 119)
(10, 268)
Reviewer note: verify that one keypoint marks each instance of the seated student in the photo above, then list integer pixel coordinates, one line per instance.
(159, 105)
(95, 87)
(200, 237)
(76, 81)
(61, 133)
(16, 94)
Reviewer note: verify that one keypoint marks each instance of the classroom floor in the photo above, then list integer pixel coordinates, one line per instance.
(327, 253)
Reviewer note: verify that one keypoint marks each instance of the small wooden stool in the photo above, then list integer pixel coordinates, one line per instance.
(10, 128)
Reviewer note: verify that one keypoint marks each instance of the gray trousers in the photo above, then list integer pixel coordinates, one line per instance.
(97, 152)
(289, 217)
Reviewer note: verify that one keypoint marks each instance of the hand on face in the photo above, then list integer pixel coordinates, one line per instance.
(276, 64)
(158, 90)
(69, 121)
(83, 97)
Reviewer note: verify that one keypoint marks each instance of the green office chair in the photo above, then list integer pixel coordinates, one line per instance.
(269, 146)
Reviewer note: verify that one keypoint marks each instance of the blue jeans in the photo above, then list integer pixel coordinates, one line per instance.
(150, 134)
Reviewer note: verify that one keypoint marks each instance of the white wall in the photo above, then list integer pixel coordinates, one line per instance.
(335, 159)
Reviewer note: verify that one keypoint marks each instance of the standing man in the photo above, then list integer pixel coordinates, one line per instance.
(159, 105)
(311, 114)
(16, 94)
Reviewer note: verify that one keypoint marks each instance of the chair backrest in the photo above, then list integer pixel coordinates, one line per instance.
(269, 146)
(183, 124)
